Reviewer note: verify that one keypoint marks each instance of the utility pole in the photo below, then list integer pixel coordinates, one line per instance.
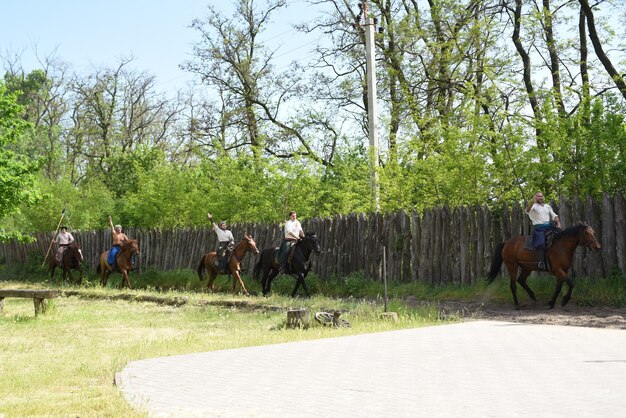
(372, 106)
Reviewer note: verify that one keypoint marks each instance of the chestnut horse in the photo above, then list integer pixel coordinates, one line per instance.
(559, 256)
(123, 263)
(72, 259)
(209, 263)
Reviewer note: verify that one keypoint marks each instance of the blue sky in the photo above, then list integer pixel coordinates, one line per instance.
(88, 34)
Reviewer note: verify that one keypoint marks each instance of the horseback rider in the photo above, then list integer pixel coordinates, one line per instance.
(63, 240)
(293, 233)
(118, 238)
(226, 242)
(543, 219)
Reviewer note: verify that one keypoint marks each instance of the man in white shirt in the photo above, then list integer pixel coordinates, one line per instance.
(63, 239)
(542, 217)
(293, 232)
(225, 239)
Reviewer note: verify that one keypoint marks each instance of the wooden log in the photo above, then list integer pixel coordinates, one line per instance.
(39, 297)
(299, 318)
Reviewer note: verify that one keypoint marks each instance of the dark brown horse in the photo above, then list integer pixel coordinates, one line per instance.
(559, 256)
(123, 263)
(209, 263)
(72, 259)
(267, 269)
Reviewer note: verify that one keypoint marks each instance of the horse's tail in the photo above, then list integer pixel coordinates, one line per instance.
(256, 275)
(201, 268)
(496, 263)
(99, 268)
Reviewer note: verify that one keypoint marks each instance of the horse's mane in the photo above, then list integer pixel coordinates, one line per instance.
(571, 231)
(128, 243)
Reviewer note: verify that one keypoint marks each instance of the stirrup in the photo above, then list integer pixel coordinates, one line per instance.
(541, 265)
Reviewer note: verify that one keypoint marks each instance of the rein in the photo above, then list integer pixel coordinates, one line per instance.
(587, 242)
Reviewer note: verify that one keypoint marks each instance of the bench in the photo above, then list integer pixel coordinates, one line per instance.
(38, 296)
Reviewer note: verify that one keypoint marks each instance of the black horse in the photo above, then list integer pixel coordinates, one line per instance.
(298, 268)
(72, 259)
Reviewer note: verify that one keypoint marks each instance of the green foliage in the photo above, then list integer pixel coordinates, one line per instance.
(17, 172)
(86, 206)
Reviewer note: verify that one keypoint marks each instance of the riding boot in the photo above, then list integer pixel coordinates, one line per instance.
(541, 259)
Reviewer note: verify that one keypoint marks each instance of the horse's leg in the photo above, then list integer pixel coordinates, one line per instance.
(212, 276)
(522, 281)
(512, 268)
(557, 290)
(300, 281)
(125, 279)
(305, 287)
(570, 287)
(268, 277)
(237, 276)
(105, 276)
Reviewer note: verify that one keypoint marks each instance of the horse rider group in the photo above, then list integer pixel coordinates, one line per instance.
(64, 239)
(226, 242)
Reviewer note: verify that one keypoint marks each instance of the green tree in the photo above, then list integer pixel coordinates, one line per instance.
(17, 172)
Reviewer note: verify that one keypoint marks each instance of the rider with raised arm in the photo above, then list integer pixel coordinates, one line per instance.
(225, 239)
(293, 232)
(542, 217)
(118, 238)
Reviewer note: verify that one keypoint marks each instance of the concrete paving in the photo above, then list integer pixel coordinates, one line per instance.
(472, 369)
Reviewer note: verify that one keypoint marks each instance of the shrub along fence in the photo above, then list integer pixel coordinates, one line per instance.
(439, 246)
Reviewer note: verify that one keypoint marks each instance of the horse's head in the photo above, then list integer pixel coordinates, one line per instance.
(251, 245)
(75, 248)
(131, 245)
(313, 242)
(588, 237)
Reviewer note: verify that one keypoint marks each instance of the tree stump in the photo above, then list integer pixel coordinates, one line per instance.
(298, 318)
(390, 316)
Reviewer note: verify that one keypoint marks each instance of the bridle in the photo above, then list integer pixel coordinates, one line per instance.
(588, 242)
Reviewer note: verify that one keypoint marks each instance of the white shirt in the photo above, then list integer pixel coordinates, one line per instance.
(223, 235)
(294, 227)
(541, 214)
(64, 238)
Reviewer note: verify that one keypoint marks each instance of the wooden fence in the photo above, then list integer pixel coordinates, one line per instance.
(439, 246)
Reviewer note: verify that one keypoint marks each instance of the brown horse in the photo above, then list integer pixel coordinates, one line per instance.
(72, 259)
(123, 263)
(559, 257)
(209, 263)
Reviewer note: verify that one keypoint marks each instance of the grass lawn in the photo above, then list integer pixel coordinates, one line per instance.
(63, 362)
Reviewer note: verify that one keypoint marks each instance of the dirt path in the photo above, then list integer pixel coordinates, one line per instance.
(599, 317)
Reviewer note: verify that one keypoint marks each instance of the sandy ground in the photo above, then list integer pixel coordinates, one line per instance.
(537, 313)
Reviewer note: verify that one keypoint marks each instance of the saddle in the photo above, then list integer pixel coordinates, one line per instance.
(528, 242)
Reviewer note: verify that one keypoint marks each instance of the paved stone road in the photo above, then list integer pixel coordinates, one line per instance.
(472, 369)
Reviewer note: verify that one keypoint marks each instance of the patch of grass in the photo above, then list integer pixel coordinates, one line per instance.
(63, 362)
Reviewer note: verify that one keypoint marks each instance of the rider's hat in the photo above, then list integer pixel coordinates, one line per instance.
(222, 223)
(64, 227)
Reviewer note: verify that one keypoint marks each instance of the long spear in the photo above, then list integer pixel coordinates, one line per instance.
(53, 237)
